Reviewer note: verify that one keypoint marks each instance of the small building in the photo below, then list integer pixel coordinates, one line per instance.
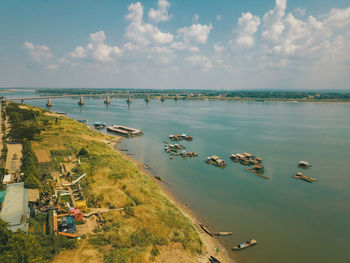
(15, 208)
(8, 178)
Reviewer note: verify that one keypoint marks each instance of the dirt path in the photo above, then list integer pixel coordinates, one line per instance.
(13, 163)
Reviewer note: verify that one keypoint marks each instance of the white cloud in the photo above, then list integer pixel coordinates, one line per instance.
(195, 18)
(161, 14)
(247, 26)
(218, 47)
(38, 53)
(53, 66)
(143, 33)
(338, 18)
(218, 17)
(195, 33)
(200, 61)
(273, 26)
(97, 50)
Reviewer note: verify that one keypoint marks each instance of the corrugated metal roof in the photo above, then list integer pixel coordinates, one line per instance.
(15, 205)
(2, 196)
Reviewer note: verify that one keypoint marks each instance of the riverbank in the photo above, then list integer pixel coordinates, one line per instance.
(211, 243)
(141, 222)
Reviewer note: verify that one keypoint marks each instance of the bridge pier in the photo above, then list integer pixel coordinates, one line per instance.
(108, 100)
(49, 103)
(81, 101)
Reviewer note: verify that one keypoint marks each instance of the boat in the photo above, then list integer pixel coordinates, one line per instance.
(213, 260)
(83, 121)
(61, 112)
(206, 230)
(304, 178)
(179, 137)
(244, 245)
(124, 131)
(304, 164)
(222, 233)
(99, 125)
(215, 160)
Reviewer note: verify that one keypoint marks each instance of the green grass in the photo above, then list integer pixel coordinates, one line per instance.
(113, 181)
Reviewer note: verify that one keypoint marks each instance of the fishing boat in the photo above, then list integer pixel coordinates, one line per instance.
(206, 230)
(83, 121)
(124, 131)
(222, 233)
(304, 178)
(99, 125)
(304, 164)
(213, 260)
(244, 245)
(215, 160)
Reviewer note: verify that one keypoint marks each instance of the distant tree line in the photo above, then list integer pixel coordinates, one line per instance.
(254, 94)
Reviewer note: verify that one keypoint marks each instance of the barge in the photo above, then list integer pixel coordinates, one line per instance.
(124, 131)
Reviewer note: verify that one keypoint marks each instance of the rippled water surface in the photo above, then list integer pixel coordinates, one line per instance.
(294, 221)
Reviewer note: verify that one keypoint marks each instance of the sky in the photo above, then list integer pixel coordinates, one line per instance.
(175, 44)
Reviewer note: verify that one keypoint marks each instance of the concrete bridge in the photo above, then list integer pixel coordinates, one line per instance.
(146, 95)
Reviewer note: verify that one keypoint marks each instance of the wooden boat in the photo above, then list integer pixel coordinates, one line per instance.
(244, 161)
(213, 260)
(83, 121)
(222, 233)
(215, 160)
(244, 245)
(304, 178)
(304, 164)
(206, 230)
(99, 125)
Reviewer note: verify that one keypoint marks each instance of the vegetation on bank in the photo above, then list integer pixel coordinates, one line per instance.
(195, 94)
(149, 222)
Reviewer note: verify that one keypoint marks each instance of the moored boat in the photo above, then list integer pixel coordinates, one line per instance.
(124, 131)
(206, 230)
(244, 245)
(215, 160)
(304, 164)
(83, 121)
(222, 233)
(99, 125)
(304, 178)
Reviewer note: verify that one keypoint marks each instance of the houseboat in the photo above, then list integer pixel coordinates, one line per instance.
(215, 160)
(124, 131)
(304, 164)
(179, 137)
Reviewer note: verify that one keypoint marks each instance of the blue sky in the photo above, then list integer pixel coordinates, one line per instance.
(175, 44)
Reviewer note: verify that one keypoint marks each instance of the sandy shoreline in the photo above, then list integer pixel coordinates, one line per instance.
(210, 243)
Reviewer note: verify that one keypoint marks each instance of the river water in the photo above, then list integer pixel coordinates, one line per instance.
(293, 221)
